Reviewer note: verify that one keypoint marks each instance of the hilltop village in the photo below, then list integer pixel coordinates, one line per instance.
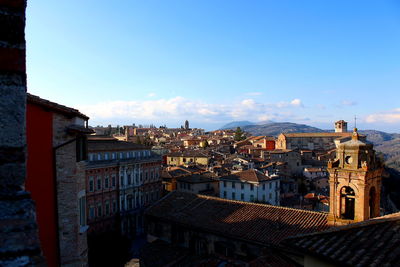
(112, 195)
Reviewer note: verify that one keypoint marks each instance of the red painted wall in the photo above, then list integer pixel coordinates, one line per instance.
(40, 179)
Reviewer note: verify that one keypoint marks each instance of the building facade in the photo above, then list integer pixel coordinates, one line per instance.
(122, 178)
(56, 139)
(187, 157)
(250, 186)
(355, 182)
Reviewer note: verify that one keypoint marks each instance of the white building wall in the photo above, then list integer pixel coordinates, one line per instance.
(268, 193)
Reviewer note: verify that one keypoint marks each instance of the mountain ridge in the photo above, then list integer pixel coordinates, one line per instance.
(386, 143)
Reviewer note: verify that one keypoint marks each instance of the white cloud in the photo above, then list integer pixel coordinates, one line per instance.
(294, 103)
(151, 94)
(392, 116)
(180, 108)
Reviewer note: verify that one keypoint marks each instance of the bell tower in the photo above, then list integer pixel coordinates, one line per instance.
(355, 182)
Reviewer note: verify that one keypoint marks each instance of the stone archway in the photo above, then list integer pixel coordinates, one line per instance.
(347, 203)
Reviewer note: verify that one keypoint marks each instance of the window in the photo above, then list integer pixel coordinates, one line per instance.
(122, 181)
(91, 212)
(224, 183)
(224, 194)
(81, 148)
(233, 195)
(82, 211)
(106, 156)
(113, 181)
(270, 185)
(98, 156)
(107, 207)
(91, 184)
(251, 187)
(242, 196)
(129, 179)
(264, 186)
(251, 198)
(242, 185)
(129, 199)
(114, 206)
(127, 155)
(99, 210)
(233, 184)
(106, 182)
(122, 203)
(121, 155)
(137, 178)
(98, 183)
(113, 155)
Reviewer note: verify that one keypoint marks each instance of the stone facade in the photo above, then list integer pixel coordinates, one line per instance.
(18, 232)
(355, 183)
(70, 188)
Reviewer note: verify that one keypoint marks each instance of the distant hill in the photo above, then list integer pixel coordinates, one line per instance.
(386, 143)
(235, 124)
(275, 128)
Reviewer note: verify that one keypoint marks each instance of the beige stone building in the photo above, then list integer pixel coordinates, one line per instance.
(187, 157)
(314, 141)
(355, 182)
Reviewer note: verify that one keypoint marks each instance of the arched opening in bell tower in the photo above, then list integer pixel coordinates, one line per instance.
(347, 201)
(372, 200)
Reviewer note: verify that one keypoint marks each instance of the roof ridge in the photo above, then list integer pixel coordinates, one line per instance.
(257, 204)
(372, 221)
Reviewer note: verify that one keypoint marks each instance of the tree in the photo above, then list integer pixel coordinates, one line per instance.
(239, 135)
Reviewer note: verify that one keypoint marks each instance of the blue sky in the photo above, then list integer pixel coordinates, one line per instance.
(213, 62)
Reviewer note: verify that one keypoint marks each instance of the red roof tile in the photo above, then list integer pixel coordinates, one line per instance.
(259, 223)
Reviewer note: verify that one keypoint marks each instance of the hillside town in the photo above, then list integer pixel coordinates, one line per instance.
(77, 194)
(193, 197)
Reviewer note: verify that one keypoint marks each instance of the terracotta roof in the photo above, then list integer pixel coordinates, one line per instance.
(187, 153)
(375, 242)
(280, 151)
(196, 179)
(32, 99)
(317, 134)
(253, 222)
(251, 175)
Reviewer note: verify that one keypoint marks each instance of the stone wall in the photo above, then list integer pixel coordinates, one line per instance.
(18, 230)
(70, 182)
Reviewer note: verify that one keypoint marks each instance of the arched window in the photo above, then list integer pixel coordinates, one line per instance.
(372, 200)
(347, 203)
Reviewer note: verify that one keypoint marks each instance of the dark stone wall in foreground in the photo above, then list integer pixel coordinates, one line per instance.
(19, 243)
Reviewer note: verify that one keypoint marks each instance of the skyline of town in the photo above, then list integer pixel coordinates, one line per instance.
(213, 63)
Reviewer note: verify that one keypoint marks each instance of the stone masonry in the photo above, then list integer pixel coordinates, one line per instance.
(70, 182)
(19, 242)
